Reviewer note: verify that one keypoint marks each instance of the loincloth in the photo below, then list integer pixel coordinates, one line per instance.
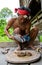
(22, 39)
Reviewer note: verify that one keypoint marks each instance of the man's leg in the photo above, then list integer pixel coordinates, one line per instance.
(17, 31)
(33, 34)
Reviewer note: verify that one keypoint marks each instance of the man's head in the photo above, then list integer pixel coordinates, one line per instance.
(23, 13)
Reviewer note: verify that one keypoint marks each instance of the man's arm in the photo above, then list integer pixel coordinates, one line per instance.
(9, 25)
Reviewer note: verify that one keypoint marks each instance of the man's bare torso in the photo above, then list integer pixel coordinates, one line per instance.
(23, 26)
(16, 23)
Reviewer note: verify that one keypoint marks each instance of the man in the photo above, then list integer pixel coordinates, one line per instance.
(21, 27)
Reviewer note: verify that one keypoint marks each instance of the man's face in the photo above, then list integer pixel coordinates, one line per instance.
(23, 18)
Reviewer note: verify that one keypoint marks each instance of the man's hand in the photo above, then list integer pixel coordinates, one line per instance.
(11, 37)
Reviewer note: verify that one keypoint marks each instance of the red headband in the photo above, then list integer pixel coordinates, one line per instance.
(23, 12)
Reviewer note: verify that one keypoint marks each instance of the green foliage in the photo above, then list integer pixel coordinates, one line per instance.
(5, 39)
(2, 26)
(40, 38)
(5, 12)
(11, 30)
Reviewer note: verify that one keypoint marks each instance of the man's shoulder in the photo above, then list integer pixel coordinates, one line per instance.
(12, 19)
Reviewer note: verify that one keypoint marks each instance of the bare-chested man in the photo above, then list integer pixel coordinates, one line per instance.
(21, 26)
